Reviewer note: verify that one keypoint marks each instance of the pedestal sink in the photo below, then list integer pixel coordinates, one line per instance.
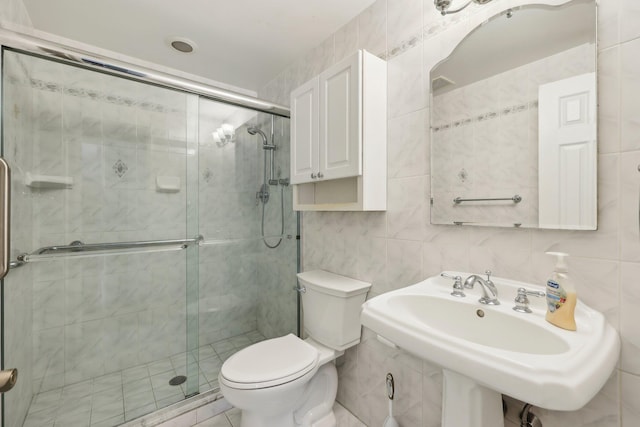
(486, 351)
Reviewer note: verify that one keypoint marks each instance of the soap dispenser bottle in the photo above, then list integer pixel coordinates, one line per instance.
(561, 295)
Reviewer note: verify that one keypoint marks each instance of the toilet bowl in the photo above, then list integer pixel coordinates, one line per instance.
(282, 382)
(290, 382)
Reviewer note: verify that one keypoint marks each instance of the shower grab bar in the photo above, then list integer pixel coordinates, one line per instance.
(80, 249)
(514, 199)
(5, 214)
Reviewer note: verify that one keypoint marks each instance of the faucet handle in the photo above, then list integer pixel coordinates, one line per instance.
(458, 290)
(522, 300)
(488, 273)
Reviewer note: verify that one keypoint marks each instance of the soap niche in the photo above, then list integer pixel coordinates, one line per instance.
(167, 184)
(48, 182)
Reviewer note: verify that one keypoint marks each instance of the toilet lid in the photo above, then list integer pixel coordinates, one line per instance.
(270, 363)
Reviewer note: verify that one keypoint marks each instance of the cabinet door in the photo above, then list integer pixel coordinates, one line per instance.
(340, 145)
(304, 132)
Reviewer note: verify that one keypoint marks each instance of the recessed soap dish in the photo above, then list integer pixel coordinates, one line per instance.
(167, 184)
(50, 182)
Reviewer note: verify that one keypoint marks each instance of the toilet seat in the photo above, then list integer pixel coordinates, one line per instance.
(269, 363)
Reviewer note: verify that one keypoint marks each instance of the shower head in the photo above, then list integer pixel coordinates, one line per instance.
(253, 130)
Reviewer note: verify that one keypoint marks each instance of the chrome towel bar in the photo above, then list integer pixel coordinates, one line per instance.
(514, 199)
(79, 249)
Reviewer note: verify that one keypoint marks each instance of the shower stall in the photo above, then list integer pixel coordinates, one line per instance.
(141, 253)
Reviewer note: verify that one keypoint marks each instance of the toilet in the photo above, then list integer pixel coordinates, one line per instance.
(290, 382)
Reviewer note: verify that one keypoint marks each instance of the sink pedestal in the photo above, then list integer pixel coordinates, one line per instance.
(466, 403)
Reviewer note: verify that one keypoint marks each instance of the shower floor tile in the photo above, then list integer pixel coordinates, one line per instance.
(231, 418)
(112, 399)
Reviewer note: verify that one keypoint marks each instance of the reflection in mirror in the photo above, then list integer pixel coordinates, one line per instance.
(513, 122)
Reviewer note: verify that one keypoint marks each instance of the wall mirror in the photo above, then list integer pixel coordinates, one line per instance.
(513, 121)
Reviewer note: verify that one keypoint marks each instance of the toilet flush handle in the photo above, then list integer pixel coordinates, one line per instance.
(300, 289)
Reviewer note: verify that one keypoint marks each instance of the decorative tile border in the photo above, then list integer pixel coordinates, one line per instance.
(95, 95)
(514, 109)
(404, 46)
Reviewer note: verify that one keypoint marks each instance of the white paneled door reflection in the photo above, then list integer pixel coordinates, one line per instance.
(567, 153)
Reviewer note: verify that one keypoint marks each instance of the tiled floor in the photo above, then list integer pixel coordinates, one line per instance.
(118, 397)
(231, 418)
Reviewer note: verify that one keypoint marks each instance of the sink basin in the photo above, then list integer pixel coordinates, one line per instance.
(518, 354)
(494, 329)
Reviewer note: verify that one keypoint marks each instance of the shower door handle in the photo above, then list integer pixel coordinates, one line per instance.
(5, 211)
(8, 378)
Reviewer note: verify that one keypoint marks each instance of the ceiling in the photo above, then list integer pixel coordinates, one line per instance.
(244, 43)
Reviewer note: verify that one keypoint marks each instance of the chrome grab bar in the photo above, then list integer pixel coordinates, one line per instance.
(5, 214)
(514, 199)
(77, 248)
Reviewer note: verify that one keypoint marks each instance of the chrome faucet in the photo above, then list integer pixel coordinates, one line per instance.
(489, 290)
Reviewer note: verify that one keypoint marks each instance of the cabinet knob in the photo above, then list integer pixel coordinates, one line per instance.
(313, 176)
(320, 175)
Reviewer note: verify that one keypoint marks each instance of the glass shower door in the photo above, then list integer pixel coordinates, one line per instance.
(248, 259)
(98, 308)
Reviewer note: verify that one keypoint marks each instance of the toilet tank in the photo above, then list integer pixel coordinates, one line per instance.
(331, 307)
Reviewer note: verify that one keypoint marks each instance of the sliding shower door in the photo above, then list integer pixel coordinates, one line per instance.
(98, 306)
(248, 258)
(152, 236)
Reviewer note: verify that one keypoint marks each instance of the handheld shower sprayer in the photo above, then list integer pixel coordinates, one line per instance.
(263, 194)
(265, 142)
(271, 148)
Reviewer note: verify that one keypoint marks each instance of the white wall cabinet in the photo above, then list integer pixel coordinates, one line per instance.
(339, 137)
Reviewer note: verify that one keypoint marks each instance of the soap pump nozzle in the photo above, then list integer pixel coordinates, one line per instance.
(561, 264)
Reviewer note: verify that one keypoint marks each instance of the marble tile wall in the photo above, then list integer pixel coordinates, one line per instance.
(399, 247)
(496, 156)
(244, 285)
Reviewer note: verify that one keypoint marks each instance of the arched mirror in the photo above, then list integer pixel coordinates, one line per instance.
(514, 121)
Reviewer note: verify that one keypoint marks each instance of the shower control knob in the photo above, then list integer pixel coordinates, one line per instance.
(313, 176)
(320, 175)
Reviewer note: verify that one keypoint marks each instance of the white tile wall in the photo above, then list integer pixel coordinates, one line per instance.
(605, 262)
